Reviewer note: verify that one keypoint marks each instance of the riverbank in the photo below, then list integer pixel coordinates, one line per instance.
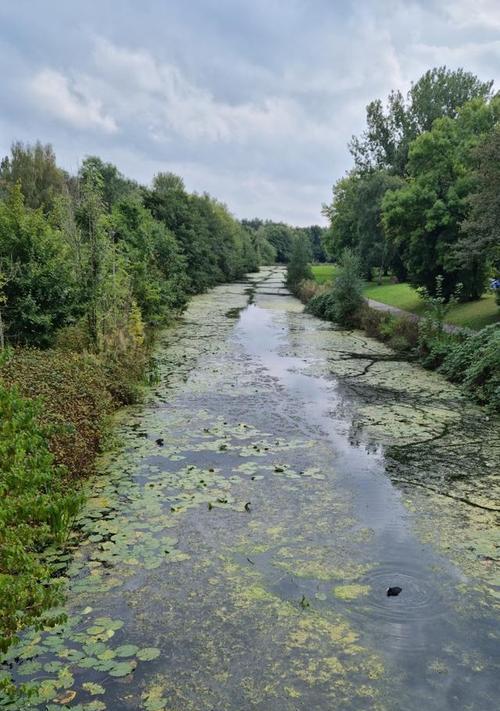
(474, 315)
(239, 538)
(468, 358)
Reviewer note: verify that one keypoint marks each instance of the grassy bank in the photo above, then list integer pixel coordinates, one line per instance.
(55, 408)
(474, 314)
(471, 360)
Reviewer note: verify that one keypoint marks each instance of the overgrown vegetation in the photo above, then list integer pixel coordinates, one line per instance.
(422, 198)
(342, 302)
(90, 264)
(471, 360)
(36, 511)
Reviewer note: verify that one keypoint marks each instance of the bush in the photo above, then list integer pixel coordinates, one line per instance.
(322, 305)
(474, 362)
(347, 290)
(373, 321)
(298, 268)
(36, 510)
(401, 333)
(307, 289)
(76, 393)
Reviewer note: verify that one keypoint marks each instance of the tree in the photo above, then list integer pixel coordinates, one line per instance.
(355, 221)
(347, 290)
(153, 259)
(481, 230)
(39, 292)
(115, 186)
(423, 219)
(280, 237)
(343, 301)
(315, 235)
(266, 252)
(35, 168)
(440, 92)
(298, 267)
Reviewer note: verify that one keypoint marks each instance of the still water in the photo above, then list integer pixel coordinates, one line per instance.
(242, 533)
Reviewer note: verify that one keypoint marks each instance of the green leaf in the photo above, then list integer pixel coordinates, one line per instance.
(147, 654)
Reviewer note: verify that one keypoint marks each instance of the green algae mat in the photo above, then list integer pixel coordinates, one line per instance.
(236, 546)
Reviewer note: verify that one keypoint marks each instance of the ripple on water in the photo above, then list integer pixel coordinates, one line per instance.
(404, 619)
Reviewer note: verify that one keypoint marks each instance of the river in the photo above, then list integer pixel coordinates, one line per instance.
(242, 532)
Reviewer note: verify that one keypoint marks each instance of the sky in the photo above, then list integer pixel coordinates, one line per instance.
(254, 102)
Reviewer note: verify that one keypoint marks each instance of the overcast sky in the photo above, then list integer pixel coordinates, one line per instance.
(252, 101)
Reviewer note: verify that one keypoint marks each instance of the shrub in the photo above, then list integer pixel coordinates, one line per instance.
(77, 400)
(433, 349)
(347, 290)
(36, 510)
(322, 305)
(307, 289)
(298, 268)
(474, 362)
(373, 321)
(401, 333)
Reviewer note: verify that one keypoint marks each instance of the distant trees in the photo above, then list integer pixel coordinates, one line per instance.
(418, 203)
(281, 238)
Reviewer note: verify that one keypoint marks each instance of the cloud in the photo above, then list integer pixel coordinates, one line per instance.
(171, 102)
(68, 102)
(253, 102)
(469, 14)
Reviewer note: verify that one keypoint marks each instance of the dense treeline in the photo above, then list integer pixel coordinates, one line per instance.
(282, 238)
(95, 251)
(421, 204)
(90, 264)
(422, 198)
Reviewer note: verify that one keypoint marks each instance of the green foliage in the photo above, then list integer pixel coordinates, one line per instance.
(35, 169)
(440, 92)
(322, 305)
(347, 290)
(37, 510)
(279, 236)
(474, 362)
(436, 304)
(355, 221)
(215, 246)
(343, 302)
(39, 289)
(299, 268)
(74, 389)
(481, 229)
(423, 219)
(153, 259)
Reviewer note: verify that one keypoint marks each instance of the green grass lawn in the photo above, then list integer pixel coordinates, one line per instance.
(323, 272)
(403, 296)
(474, 314)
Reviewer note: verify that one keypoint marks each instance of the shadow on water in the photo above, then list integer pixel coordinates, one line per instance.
(238, 543)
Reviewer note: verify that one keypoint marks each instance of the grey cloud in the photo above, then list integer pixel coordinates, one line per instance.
(254, 102)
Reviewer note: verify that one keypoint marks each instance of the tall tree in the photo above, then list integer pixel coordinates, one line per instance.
(39, 293)
(481, 230)
(35, 168)
(440, 92)
(356, 224)
(423, 219)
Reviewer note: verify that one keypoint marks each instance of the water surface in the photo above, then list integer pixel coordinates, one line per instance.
(239, 540)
